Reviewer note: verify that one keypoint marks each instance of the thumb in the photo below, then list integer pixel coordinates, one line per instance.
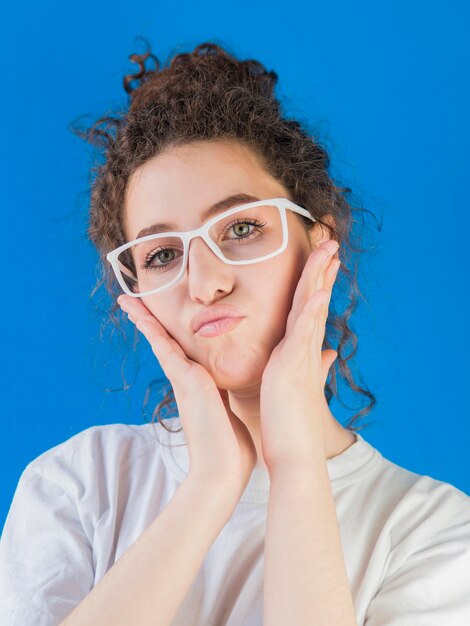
(328, 357)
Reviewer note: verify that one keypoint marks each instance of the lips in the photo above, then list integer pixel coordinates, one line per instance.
(219, 327)
(213, 313)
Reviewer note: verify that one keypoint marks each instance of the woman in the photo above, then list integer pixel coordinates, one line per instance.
(217, 218)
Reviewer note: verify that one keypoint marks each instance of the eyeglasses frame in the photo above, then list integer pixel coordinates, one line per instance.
(203, 231)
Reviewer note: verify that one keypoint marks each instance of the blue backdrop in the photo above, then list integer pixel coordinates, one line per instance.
(387, 85)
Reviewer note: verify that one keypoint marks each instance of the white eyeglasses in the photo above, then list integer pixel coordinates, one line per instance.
(142, 270)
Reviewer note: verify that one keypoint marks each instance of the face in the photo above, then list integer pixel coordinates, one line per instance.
(178, 186)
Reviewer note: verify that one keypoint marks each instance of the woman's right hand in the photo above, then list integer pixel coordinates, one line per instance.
(221, 449)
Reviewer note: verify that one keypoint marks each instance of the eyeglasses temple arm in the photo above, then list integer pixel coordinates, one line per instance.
(125, 271)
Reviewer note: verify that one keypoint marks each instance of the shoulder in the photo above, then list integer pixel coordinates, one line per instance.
(425, 526)
(413, 490)
(420, 510)
(92, 452)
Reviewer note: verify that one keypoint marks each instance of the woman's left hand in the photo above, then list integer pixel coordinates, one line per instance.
(292, 397)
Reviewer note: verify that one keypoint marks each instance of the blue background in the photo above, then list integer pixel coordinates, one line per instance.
(387, 85)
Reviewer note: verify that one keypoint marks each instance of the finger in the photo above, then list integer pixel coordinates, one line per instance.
(307, 327)
(311, 324)
(141, 316)
(314, 271)
(322, 309)
(172, 358)
(317, 305)
(167, 350)
(315, 265)
(331, 248)
(311, 278)
(135, 307)
(331, 273)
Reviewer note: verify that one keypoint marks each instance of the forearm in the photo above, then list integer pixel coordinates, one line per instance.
(148, 583)
(305, 580)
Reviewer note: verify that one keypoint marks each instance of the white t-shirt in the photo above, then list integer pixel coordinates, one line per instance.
(81, 504)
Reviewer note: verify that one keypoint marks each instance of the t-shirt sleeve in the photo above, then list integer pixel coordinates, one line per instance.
(46, 560)
(429, 584)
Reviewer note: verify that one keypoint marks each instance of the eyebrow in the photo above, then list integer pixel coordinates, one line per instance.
(218, 207)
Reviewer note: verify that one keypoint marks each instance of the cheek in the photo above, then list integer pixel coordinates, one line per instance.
(162, 307)
(276, 311)
(280, 282)
(273, 299)
(287, 286)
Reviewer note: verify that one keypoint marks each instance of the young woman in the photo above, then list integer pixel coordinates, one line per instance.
(223, 234)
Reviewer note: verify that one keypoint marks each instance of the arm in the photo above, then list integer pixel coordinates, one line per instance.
(146, 586)
(305, 579)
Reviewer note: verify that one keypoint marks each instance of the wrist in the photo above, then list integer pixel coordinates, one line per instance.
(224, 491)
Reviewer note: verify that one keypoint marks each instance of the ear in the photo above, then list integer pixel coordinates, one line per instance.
(319, 234)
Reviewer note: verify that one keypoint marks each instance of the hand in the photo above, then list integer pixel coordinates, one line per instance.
(292, 397)
(221, 448)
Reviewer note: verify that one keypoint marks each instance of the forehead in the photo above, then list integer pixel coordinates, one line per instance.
(181, 184)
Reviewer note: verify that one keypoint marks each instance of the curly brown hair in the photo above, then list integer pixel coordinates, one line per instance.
(209, 94)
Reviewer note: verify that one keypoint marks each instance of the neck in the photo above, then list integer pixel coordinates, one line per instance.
(246, 407)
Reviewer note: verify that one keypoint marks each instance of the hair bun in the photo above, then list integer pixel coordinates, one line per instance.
(206, 61)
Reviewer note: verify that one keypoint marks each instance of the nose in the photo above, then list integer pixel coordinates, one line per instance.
(206, 273)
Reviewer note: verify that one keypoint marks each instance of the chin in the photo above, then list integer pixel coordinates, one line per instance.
(236, 371)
